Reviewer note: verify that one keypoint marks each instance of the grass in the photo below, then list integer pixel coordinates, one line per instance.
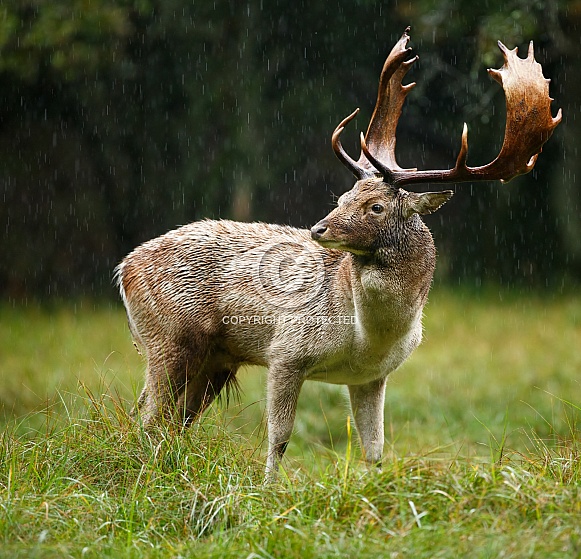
(483, 453)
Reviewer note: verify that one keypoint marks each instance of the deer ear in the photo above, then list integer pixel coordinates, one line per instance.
(426, 202)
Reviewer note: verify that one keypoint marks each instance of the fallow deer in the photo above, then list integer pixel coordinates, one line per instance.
(341, 303)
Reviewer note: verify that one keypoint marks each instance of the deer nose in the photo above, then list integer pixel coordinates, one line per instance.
(318, 230)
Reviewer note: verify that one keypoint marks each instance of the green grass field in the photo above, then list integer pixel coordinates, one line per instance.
(483, 449)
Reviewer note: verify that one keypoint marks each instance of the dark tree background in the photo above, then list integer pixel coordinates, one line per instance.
(122, 119)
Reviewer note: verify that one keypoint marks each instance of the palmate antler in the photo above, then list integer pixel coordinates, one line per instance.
(529, 124)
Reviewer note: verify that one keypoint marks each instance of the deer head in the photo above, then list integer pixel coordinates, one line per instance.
(377, 197)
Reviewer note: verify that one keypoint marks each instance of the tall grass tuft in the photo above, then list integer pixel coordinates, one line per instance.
(98, 485)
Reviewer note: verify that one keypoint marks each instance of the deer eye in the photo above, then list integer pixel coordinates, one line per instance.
(377, 208)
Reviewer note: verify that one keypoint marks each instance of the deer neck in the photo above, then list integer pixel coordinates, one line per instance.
(391, 286)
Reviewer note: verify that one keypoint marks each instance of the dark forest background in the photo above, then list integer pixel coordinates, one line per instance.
(121, 119)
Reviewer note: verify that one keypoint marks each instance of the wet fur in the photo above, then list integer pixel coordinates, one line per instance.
(178, 289)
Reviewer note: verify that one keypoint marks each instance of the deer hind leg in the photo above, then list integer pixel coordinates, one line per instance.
(166, 382)
(136, 410)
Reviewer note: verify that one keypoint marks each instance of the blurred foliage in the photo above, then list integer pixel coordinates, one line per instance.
(121, 119)
(73, 39)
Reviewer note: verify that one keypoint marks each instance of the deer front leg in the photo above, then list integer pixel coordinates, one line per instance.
(282, 394)
(367, 406)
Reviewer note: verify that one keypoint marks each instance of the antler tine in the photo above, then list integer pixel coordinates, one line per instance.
(380, 136)
(529, 124)
(359, 171)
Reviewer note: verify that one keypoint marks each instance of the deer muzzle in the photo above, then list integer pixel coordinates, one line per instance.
(318, 230)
